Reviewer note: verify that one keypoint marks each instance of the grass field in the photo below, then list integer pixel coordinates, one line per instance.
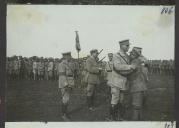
(40, 101)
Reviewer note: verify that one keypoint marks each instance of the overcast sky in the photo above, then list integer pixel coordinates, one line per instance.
(49, 30)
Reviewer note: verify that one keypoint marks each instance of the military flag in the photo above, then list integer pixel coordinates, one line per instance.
(78, 48)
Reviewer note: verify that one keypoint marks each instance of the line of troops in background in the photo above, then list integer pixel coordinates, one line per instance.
(33, 68)
(39, 68)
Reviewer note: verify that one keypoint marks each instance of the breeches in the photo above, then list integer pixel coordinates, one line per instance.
(65, 94)
(138, 99)
(90, 89)
(50, 73)
(117, 96)
(35, 71)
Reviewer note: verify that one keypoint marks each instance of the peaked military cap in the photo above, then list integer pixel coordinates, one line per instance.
(138, 50)
(124, 42)
(110, 54)
(66, 54)
(93, 50)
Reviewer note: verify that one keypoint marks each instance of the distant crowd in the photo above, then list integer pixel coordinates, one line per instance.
(41, 68)
(161, 67)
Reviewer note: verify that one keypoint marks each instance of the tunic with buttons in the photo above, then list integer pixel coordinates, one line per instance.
(66, 76)
(109, 68)
(92, 71)
(121, 69)
(138, 78)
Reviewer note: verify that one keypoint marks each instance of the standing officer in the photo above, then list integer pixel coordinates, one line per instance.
(16, 68)
(56, 63)
(92, 77)
(109, 67)
(137, 82)
(41, 69)
(46, 68)
(108, 71)
(50, 69)
(118, 81)
(30, 69)
(84, 72)
(35, 68)
(66, 82)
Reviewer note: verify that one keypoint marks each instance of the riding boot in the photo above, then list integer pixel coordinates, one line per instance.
(136, 114)
(92, 100)
(114, 113)
(64, 112)
(88, 101)
(122, 110)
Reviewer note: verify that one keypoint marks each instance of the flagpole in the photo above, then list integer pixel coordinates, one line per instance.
(78, 58)
(78, 48)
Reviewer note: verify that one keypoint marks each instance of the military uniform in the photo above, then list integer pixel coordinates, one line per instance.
(137, 81)
(21, 63)
(66, 81)
(92, 78)
(38, 69)
(16, 69)
(35, 70)
(56, 64)
(8, 68)
(24, 68)
(118, 81)
(46, 69)
(29, 69)
(50, 70)
(41, 69)
(84, 75)
(109, 68)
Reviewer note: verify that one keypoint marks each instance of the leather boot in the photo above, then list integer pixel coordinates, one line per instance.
(136, 114)
(121, 111)
(64, 112)
(88, 101)
(92, 100)
(113, 113)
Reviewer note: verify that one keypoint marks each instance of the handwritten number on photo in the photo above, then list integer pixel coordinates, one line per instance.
(167, 10)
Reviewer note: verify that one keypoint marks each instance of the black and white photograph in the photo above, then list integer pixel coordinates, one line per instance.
(86, 63)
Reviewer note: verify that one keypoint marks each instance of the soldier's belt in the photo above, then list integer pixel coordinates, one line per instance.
(109, 70)
(118, 72)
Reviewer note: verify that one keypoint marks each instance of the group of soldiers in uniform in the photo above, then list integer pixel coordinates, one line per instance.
(125, 74)
(39, 68)
(33, 68)
(161, 67)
